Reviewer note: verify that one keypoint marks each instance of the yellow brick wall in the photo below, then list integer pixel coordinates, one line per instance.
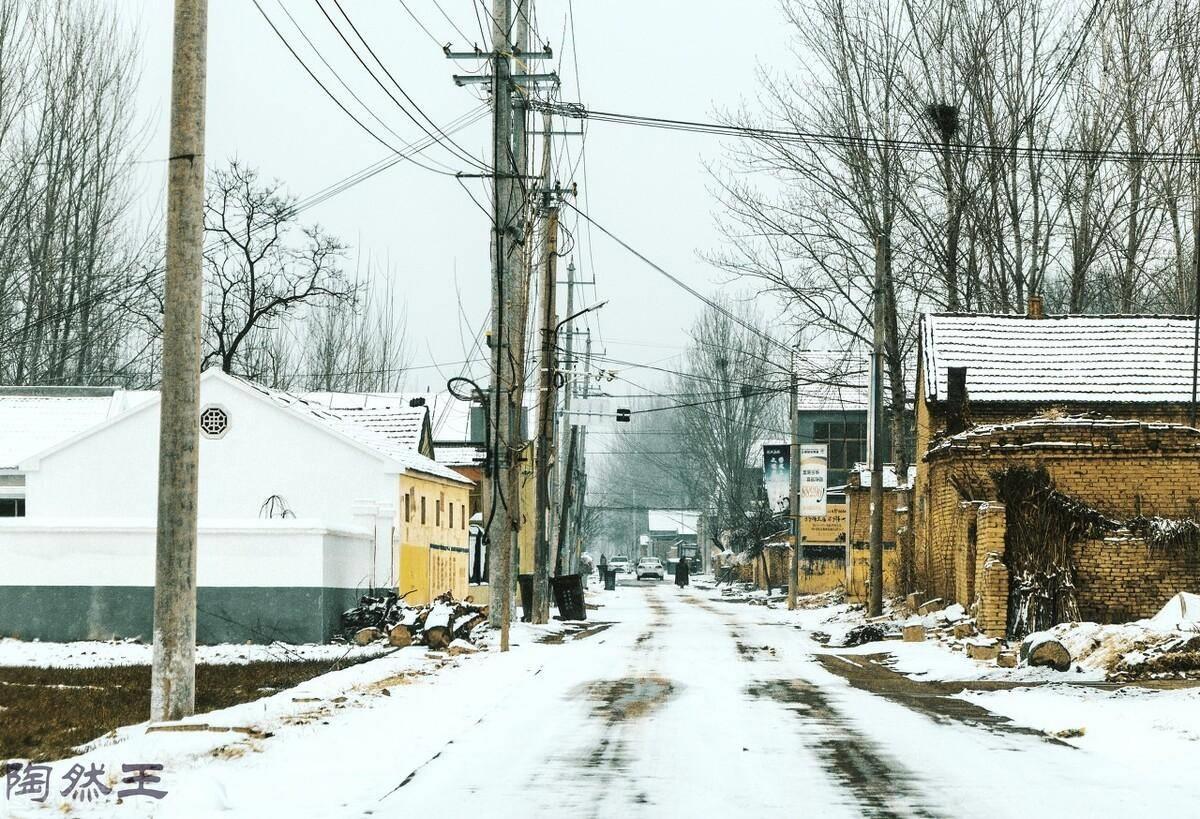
(1122, 579)
(427, 570)
(857, 564)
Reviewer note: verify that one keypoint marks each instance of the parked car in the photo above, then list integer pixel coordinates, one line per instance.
(650, 567)
(620, 564)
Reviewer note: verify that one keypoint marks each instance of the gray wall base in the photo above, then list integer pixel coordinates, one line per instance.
(224, 614)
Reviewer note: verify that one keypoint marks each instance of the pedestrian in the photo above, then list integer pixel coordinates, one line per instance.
(681, 572)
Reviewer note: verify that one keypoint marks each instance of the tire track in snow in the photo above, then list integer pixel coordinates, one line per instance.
(875, 780)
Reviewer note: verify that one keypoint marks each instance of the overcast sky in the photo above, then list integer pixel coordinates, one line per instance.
(657, 57)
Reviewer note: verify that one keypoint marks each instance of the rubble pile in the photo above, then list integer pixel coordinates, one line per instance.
(439, 625)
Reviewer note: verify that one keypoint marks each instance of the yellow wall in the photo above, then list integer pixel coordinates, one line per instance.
(858, 551)
(432, 554)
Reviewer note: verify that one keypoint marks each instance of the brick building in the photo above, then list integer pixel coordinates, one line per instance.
(1094, 404)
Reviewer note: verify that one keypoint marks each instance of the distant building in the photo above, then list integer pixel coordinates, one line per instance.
(672, 533)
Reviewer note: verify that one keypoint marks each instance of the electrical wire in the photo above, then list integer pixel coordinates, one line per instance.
(814, 139)
(453, 148)
(333, 97)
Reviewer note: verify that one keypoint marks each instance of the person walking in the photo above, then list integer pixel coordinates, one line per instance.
(682, 571)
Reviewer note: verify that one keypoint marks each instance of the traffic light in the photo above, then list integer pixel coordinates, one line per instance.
(623, 415)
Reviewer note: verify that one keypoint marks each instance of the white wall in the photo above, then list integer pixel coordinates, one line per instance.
(269, 553)
(267, 450)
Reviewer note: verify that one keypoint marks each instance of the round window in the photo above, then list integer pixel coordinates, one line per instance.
(214, 421)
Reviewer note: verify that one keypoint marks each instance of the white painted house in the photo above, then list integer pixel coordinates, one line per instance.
(298, 515)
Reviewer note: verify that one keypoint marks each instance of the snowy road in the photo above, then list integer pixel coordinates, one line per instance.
(685, 706)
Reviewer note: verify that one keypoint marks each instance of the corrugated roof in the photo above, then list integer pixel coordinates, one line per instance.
(1103, 359)
(44, 417)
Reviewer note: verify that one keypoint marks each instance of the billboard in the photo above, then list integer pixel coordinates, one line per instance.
(814, 474)
(777, 475)
(829, 528)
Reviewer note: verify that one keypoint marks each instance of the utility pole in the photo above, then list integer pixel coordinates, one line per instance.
(875, 608)
(173, 672)
(794, 485)
(510, 298)
(564, 426)
(587, 367)
(507, 325)
(546, 394)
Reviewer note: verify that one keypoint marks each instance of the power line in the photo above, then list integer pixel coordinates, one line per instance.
(458, 150)
(679, 282)
(814, 139)
(333, 97)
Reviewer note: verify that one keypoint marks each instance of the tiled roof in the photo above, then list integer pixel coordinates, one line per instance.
(449, 418)
(36, 418)
(459, 454)
(1108, 359)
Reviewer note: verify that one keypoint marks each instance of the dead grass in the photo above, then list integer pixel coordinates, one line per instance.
(47, 712)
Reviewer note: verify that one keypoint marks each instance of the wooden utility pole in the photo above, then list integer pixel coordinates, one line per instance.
(794, 483)
(173, 672)
(875, 607)
(546, 395)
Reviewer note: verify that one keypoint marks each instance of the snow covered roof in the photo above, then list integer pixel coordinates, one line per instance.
(465, 454)
(1081, 434)
(831, 398)
(33, 419)
(393, 419)
(449, 418)
(1109, 359)
(862, 474)
(365, 430)
(677, 521)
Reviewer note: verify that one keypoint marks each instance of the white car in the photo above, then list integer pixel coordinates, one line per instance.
(650, 567)
(619, 564)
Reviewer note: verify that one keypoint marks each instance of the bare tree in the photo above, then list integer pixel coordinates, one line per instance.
(70, 255)
(262, 268)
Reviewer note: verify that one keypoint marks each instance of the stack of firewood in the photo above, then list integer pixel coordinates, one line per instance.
(436, 625)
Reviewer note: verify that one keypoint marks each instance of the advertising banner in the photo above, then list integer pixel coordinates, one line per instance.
(814, 476)
(777, 475)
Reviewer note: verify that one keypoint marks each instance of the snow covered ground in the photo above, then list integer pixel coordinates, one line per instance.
(95, 654)
(686, 706)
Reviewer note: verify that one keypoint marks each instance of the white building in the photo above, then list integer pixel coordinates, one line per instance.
(299, 513)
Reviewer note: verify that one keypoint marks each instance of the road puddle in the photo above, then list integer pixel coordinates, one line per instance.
(630, 697)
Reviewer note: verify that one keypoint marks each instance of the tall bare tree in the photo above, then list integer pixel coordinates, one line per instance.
(262, 268)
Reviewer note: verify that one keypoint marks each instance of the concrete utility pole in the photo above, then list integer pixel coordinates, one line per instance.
(173, 672)
(875, 607)
(546, 395)
(794, 487)
(507, 325)
(510, 297)
(564, 427)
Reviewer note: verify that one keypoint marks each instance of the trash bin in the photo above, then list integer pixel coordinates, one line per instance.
(526, 583)
(568, 596)
(610, 579)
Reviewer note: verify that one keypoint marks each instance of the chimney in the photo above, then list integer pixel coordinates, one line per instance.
(956, 400)
(1036, 309)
